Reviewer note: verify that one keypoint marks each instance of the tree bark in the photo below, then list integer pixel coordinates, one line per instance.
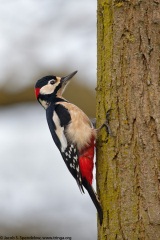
(128, 163)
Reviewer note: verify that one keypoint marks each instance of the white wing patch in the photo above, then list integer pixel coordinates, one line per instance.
(60, 132)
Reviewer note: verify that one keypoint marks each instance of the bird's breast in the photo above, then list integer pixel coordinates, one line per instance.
(79, 131)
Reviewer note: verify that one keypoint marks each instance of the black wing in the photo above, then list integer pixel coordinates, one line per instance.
(49, 115)
(70, 154)
(63, 115)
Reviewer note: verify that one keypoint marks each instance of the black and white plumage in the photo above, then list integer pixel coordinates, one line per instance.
(58, 118)
(71, 130)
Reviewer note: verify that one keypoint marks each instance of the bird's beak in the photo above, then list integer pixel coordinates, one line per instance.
(64, 80)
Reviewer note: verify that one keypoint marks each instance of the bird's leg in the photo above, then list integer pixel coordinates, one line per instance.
(105, 124)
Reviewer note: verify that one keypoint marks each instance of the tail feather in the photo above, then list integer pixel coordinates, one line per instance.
(95, 199)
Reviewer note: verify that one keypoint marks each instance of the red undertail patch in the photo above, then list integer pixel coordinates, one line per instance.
(86, 162)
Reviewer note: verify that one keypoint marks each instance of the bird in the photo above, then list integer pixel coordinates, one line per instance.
(72, 131)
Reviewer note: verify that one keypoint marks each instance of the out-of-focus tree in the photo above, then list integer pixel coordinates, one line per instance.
(85, 99)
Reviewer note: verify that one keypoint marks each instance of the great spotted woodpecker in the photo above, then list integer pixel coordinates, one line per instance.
(72, 132)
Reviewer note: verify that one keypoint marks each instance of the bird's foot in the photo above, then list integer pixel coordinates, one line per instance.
(106, 123)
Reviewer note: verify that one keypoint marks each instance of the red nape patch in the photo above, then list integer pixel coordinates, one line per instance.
(86, 162)
(37, 90)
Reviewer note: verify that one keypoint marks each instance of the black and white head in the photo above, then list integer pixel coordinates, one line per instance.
(48, 88)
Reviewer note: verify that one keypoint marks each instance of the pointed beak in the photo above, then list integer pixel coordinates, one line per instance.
(64, 80)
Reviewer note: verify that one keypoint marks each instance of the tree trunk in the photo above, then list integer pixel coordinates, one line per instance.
(128, 163)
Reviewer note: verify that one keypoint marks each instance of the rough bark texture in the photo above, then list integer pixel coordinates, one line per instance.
(128, 164)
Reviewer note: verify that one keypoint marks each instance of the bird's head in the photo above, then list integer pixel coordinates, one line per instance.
(48, 88)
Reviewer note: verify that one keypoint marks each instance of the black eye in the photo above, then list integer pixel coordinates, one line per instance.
(52, 82)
